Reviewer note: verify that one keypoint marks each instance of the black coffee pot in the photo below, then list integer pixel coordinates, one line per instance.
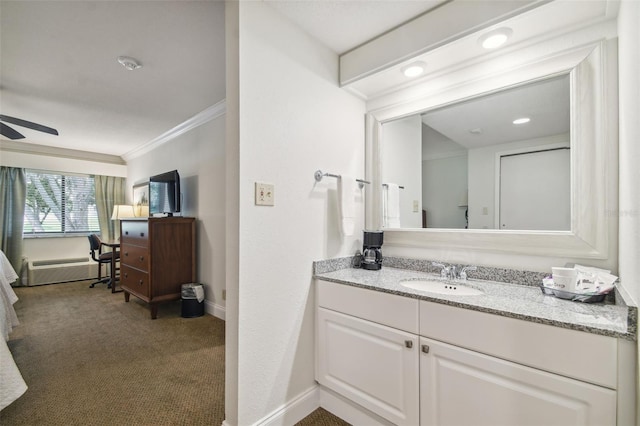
(371, 253)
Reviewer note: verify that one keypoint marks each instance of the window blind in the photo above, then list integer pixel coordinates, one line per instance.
(60, 204)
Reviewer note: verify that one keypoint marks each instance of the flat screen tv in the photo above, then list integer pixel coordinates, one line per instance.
(164, 193)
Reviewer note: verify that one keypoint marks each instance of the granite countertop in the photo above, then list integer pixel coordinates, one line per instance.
(523, 302)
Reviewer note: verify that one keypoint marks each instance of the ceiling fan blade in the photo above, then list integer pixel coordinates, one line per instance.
(28, 124)
(9, 132)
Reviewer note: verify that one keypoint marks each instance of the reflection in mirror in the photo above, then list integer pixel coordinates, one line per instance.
(496, 161)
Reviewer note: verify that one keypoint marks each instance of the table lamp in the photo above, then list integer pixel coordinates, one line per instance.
(122, 211)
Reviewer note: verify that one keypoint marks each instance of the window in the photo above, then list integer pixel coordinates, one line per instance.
(60, 204)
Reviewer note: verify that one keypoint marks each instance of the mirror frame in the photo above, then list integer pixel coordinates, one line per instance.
(592, 69)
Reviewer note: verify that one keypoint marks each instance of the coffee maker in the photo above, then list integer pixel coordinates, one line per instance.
(371, 254)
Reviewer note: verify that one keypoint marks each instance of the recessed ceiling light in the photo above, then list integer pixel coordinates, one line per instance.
(523, 120)
(496, 38)
(414, 69)
(129, 63)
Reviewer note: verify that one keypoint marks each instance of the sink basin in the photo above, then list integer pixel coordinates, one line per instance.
(441, 287)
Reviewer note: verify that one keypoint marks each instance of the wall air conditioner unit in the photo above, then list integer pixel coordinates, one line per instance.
(61, 270)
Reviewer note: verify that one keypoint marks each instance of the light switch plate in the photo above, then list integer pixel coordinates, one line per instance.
(264, 194)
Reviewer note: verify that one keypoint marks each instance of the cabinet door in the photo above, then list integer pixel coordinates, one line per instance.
(462, 387)
(371, 364)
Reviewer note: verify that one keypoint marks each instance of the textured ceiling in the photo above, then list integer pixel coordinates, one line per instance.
(58, 61)
(58, 68)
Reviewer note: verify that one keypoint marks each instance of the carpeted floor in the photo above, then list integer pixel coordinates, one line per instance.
(89, 358)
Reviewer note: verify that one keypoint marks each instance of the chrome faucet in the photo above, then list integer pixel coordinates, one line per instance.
(447, 272)
(450, 272)
(463, 273)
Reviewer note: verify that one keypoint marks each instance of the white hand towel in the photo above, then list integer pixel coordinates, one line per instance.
(347, 204)
(392, 206)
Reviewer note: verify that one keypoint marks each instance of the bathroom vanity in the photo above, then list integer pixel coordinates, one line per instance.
(510, 355)
(389, 353)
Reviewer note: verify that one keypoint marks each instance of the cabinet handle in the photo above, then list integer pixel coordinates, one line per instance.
(126, 253)
(408, 343)
(126, 232)
(142, 234)
(126, 275)
(140, 282)
(141, 258)
(425, 349)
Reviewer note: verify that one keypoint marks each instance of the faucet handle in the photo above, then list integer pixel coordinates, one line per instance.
(444, 272)
(463, 273)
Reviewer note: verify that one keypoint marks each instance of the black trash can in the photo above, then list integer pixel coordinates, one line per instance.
(192, 300)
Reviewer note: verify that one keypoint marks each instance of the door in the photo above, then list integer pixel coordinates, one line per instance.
(461, 387)
(535, 191)
(371, 364)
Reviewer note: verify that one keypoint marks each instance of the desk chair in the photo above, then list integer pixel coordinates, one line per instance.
(102, 258)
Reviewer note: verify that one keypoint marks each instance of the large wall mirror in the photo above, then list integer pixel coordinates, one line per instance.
(521, 161)
(490, 162)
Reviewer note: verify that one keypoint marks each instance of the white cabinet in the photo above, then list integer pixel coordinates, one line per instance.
(462, 387)
(371, 364)
(415, 362)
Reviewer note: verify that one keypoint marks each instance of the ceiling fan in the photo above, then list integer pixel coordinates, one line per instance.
(13, 134)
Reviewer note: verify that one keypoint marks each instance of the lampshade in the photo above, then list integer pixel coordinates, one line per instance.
(121, 211)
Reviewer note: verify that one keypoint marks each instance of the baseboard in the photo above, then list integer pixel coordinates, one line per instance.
(293, 411)
(347, 410)
(214, 309)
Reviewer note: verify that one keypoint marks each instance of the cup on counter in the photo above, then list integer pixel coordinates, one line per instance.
(565, 279)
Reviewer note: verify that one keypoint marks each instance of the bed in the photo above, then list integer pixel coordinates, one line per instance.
(12, 385)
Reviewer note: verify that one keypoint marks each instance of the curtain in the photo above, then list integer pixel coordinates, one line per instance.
(13, 195)
(110, 190)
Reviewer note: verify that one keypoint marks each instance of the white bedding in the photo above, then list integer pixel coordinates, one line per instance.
(12, 385)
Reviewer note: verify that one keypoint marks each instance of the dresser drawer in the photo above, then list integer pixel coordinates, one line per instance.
(135, 232)
(135, 256)
(135, 281)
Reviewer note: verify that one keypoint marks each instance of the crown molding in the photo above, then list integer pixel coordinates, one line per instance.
(212, 112)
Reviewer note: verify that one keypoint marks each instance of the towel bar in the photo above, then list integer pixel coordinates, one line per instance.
(386, 184)
(319, 175)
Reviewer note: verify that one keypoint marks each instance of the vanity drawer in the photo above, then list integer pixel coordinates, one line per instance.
(135, 281)
(384, 308)
(135, 256)
(135, 232)
(583, 356)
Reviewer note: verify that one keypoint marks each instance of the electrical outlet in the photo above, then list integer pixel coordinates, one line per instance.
(224, 294)
(485, 211)
(416, 206)
(265, 194)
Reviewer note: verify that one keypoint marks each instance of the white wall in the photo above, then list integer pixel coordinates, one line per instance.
(293, 120)
(629, 151)
(444, 182)
(199, 157)
(401, 148)
(629, 87)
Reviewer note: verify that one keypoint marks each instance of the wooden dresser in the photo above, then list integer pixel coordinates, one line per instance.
(157, 256)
